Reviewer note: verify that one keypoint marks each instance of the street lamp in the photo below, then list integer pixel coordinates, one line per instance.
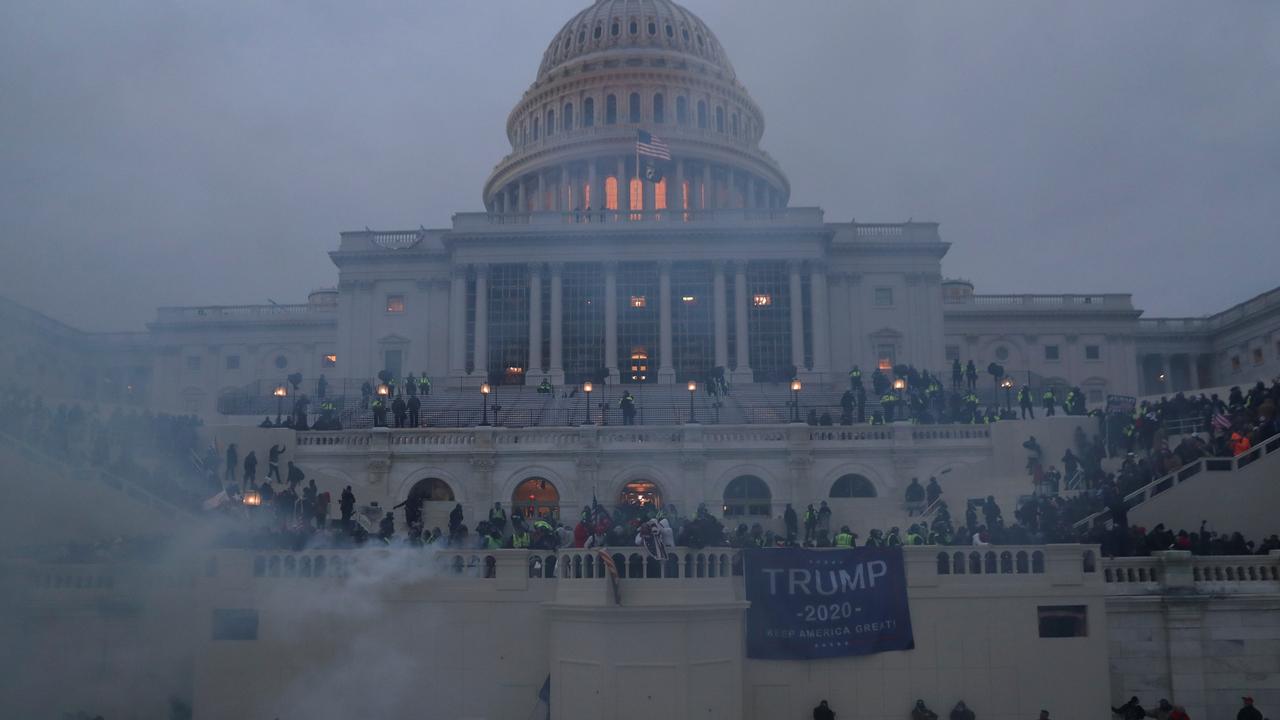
(384, 389)
(280, 392)
(587, 387)
(899, 384)
(795, 400)
(1007, 384)
(484, 393)
(693, 387)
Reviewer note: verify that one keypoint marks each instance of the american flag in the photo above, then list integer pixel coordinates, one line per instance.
(1221, 422)
(652, 146)
(612, 569)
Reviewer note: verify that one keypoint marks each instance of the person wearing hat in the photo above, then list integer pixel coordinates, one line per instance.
(823, 712)
(922, 711)
(1131, 710)
(1248, 712)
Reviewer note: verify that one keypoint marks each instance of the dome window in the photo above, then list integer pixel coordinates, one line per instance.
(702, 115)
(611, 110)
(568, 117)
(699, 39)
(659, 108)
(633, 110)
(551, 122)
(634, 27)
(614, 29)
(582, 37)
(670, 32)
(719, 123)
(653, 28)
(535, 129)
(589, 112)
(685, 35)
(596, 33)
(682, 110)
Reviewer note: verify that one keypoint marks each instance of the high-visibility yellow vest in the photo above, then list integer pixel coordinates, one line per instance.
(844, 540)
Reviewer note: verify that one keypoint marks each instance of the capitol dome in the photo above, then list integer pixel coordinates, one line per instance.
(616, 70)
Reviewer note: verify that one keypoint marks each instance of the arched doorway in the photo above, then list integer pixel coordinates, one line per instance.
(432, 490)
(747, 495)
(641, 495)
(852, 486)
(536, 497)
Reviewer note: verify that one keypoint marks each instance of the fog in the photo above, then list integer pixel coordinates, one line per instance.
(197, 153)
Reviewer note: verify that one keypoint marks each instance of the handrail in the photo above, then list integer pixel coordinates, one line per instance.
(1177, 477)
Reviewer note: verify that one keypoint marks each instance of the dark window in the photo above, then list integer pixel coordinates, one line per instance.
(682, 110)
(653, 28)
(883, 297)
(685, 34)
(702, 115)
(634, 27)
(596, 33)
(551, 122)
(535, 128)
(719, 119)
(235, 624)
(508, 323)
(852, 486)
(952, 352)
(693, 325)
(567, 118)
(582, 36)
(670, 32)
(610, 110)
(1092, 352)
(233, 362)
(660, 110)
(589, 112)
(747, 495)
(393, 361)
(1050, 352)
(282, 362)
(614, 30)
(1063, 621)
(768, 320)
(637, 320)
(633, 109)
(735, 124)
(583, 323)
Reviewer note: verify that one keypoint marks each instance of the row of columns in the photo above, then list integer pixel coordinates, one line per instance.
(666, 361)
(566, 182)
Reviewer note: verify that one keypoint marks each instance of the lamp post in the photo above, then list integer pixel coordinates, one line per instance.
(899, 384)
(1007, 384)
(795, 400)
(384, 389)
(693, 387)
(280, 392)
(587, 387)
(484, 394)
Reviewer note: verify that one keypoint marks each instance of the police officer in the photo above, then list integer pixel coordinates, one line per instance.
(844, 538)
(498, 518)
(1024, 402)
(971, 375)
(399, 410)
(957, 374)
(628, 406)
(855, 377)
(411, 385)
(1049, 400)
(414, 406)
(379, 412)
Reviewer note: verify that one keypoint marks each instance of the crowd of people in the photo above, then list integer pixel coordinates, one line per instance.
(157, 451)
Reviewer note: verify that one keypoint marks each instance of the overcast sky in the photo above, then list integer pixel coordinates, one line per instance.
(159, 153)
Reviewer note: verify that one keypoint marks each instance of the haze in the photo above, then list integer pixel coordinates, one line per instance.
(210, 153)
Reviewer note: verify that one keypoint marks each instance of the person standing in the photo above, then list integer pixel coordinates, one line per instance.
(1049, 400)
(823, 712)
(1024, 402)
(233, 460)
(399, 411)
(273, 462)
(962, 712)
(810, 524)
(250, 469)
(414, 406)
(971, 376)
(791, 522)
(1248, 712)
(347, 504)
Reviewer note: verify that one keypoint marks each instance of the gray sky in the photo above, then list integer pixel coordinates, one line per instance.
(157, 153)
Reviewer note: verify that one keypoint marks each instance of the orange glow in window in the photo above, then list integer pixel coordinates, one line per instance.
(660, 195)
(611, 193)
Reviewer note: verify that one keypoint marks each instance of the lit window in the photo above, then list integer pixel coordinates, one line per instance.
(884, 297)
(639, 301)
(193, 362)
(684, 195)
(1050, 352)
(395, 303)
(1257, 356)
(329, 360)
(233, 362)
(660, 195)
(762, 300)
(637, 194)
(886, 355)
(611, 193)
(688, 299)
(586, 195)
(639, 365)
(1092, 352)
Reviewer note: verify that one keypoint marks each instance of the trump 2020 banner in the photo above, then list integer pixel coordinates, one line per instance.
(809, 604)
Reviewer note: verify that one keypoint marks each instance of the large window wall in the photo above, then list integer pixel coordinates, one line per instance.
(692, 321)
(638, 309)
(583, 328)
(508, 315)
(769, 319)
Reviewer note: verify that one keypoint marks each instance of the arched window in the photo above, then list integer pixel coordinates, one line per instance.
(633, 108)
(536, 497)
(582, 37)
(611, 193)
(702, 115)
(653, 28)
(610, 110)
(659, 108)
(551, 122)
(735, 124)
(640, 494)
(660, 195)
(669, 30)
(852, 486)
(595, 34)
(747, 495)
(682, 110)
(589, 112)
(432, 490)
(535, 129)
(719, 119)
(614, 29)
(634, 27)
(567, 118)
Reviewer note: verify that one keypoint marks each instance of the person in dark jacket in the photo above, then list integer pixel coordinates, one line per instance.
(250, 469)
(932, 491)
(962, 712)
(414, 405)
(823, 712)
(1131, 710)
(792, 523)
(1248, 712)
(922, 711)
(273, 462)
(347, 504)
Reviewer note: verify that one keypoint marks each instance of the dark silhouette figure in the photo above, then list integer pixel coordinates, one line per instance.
(823, 712)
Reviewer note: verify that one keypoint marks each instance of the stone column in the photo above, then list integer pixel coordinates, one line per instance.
(749, 201)
(624, 187)
(708, 195)
(458, 322)
(533, 371)
(797, 315)
(519, 191)
(1167, 384)
(556, 371)
(857, 339)
(611, 320)
(597, 198)
(742, 373)
(566, 190)
(666, 368)
(720, 312)
(480, 359)
(818, 304)
(678, 204)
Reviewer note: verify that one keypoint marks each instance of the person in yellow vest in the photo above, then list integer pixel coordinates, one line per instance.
(844, 538)
(520, 539)
(1049, 400)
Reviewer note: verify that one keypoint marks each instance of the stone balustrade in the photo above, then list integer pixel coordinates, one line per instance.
(1177, 571)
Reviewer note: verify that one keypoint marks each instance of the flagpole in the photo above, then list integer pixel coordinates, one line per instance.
(629, 202)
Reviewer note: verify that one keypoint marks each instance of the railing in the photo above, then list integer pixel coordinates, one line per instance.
(1213, 322)
(727, 216)
(213, 313)
(1186, 472)
(1180, 571)
(1107, 301)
